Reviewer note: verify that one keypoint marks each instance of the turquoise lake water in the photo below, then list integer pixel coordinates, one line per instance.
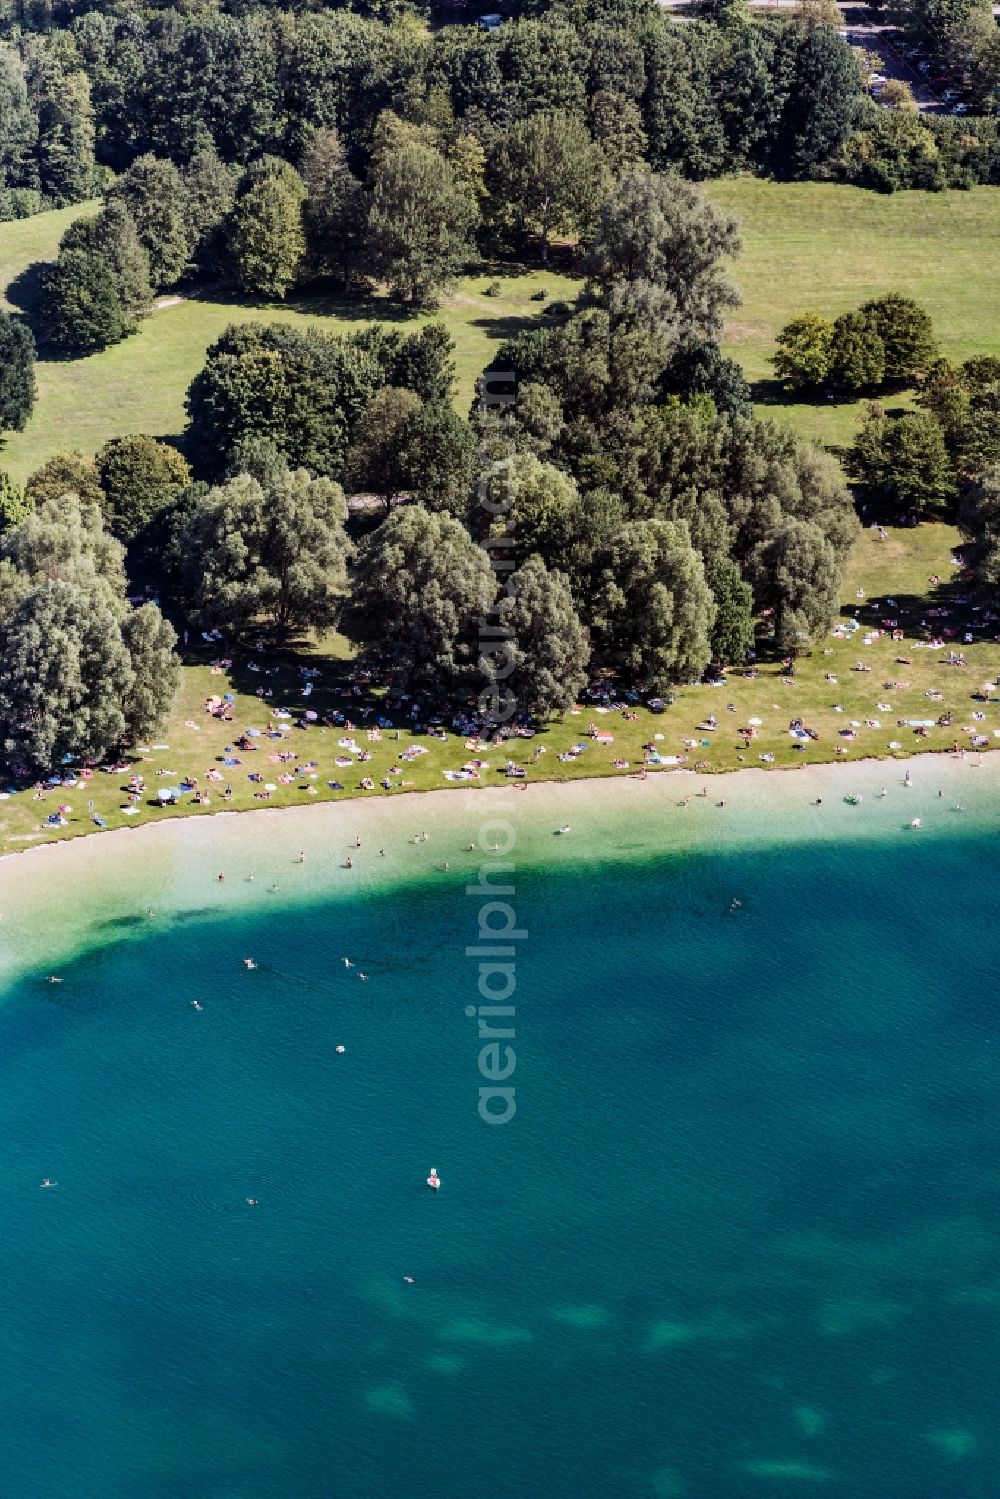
(740, 1240)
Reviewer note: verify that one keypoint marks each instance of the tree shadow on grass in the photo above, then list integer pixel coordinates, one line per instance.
(22, 293)
(500, 329)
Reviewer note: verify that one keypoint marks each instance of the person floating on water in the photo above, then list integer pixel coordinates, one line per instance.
(249, 963)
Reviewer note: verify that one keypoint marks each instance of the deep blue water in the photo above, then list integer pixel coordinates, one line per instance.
(741, 1238)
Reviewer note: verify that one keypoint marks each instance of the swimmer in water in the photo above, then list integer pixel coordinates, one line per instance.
(249, 963)
(52, 979)
(348, 963)
(363, 977)
(250, 1202)
(47, 1183)
(409, 1280)
(195, 1005)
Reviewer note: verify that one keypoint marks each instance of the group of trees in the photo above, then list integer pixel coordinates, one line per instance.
(891, 149)
(82, 672)
(922, 461)
(92, 92)
(652, 516)
(888, 341)
(312, 393)
(625, 503)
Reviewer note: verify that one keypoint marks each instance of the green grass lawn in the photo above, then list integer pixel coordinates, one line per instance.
(192, 741)
(140, 384)
(814, 245)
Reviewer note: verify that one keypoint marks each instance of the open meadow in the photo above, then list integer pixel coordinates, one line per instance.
(817, 246)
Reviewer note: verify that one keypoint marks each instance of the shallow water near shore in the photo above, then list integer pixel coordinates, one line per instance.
(739, 1239)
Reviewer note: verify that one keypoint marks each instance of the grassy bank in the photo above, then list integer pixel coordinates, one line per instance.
(814, 245)
(193, 741)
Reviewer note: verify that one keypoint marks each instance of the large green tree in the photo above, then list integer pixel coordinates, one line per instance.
(542, 662)
(113, 237)
(333, 209)
(420, 220)
(419, 590)
(655, 610)
(78, 309)
(64, 673)
(661, 238)
(979, 519)
(857, 354)
(548, 174)
(268, 551)
(268, 233)
(63, 539)
(803, 354)
(376, 461)
(153, 191)
(65, 473)
(156, 672)
(439, 457)
(907, 335)
(140, 477)
(906, 461)
(733, 629)
(209, 194)
(303, 390)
